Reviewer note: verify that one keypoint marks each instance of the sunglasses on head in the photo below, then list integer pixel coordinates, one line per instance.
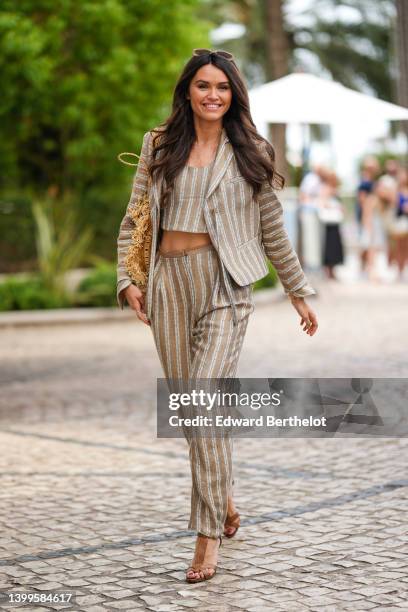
(225, 54)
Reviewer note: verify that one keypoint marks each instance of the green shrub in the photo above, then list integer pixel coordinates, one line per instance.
(270, 280)
(17, 230)
(29, 294)
(99, 287)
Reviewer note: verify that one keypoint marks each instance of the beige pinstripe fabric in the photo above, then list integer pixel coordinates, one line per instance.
(195, 337)
(184, 211)
(245, 232)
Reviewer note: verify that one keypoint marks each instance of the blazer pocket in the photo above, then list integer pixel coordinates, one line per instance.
(250, 242)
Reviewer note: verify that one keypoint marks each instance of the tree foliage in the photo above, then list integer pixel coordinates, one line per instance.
(356, 47)
(82, 80)
(357, 51)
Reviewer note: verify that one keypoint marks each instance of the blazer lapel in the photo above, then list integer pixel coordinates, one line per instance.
(155, 191)
(224, 155)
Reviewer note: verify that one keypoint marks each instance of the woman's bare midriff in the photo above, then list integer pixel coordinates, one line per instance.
(174, 240)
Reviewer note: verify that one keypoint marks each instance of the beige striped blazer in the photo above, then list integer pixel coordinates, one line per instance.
(244, 231)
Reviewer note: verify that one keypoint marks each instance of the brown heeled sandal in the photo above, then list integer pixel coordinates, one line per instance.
(232, 521)
(199, 563)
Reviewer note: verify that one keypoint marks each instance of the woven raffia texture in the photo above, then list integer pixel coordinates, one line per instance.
(137, 260)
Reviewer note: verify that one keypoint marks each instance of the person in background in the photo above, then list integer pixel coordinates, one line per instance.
(331, 214)
(399, 228)
(370, 170)
(386, 190)
(373, 238)
(391, 172)
(309, 191)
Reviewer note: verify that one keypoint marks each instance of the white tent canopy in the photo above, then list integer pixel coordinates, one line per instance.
(305, 98)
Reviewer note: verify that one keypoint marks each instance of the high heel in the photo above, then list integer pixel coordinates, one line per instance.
(232, 521)
(200, 565)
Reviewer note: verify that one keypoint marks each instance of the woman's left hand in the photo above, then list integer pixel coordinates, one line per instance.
(307, 317)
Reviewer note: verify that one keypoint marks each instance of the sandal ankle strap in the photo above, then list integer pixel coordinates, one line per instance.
(231, 520)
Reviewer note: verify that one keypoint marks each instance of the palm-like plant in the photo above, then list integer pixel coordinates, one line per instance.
(60, 248)
(351, 39)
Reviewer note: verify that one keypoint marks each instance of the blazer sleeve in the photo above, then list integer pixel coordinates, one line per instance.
(127, 224)
(277, 245)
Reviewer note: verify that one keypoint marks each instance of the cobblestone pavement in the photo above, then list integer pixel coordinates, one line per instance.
(92, 501)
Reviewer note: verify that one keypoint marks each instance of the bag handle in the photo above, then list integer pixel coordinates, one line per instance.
(129, 164)
(127, 153)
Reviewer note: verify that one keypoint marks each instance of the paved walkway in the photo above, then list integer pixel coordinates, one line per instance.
(91, 501)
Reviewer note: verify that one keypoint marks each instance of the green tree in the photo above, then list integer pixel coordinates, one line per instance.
(356, 50)
(81, 82)
(355, 47)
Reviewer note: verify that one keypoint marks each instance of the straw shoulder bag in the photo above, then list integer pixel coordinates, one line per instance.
(137, 258)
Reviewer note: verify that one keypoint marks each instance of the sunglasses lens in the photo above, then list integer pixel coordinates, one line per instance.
(225, 54)
(201, 51)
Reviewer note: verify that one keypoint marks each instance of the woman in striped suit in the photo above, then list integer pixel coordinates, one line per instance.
(216, 219)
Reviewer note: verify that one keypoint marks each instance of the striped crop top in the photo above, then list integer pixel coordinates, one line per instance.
(184, 208)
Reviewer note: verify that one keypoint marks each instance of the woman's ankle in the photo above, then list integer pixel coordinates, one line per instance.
(231, 508)
(203, 535)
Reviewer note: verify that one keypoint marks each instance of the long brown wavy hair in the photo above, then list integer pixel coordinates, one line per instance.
(175, 136)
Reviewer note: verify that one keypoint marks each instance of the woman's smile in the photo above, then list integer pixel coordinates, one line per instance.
(211, 106)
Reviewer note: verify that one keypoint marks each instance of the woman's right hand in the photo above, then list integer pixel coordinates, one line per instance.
(136, 301)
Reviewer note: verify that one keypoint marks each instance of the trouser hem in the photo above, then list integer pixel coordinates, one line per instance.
(212, 533)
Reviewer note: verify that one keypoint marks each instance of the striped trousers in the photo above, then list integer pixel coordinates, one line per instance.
(195, 338)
